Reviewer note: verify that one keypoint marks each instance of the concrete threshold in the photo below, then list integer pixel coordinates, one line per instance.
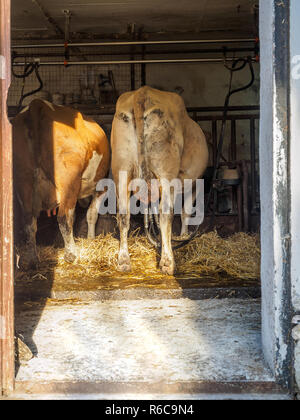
(146, 391)
(248, 292)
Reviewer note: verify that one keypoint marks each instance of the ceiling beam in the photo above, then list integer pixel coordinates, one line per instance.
(51, 22)
(49, 19)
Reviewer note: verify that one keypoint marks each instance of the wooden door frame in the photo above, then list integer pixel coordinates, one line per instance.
(7, 371)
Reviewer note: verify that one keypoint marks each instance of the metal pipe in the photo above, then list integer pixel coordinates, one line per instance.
(143, 67)
(221, 108)
(141, 53)
(214, 131)
(232, 154)
(238, 194)
(105, 63)
(122, 43)
(253, 164)
(245, 177)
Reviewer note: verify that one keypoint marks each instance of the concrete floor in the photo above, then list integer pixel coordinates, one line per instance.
(168, 340)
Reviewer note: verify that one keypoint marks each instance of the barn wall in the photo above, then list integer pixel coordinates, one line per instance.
(266, 145)
(295, 171)
(204, 84)
(275, 188)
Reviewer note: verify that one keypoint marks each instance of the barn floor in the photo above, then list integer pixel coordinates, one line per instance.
(142, 341)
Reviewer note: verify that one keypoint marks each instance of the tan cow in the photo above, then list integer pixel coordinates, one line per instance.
(154, 137)
(59, 156)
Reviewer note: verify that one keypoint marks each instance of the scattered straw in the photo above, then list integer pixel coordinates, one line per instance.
(209, 255)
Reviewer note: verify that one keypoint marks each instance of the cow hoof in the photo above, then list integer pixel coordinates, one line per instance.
(28, 265)
(167, 266)
(33, 265)
(124, 268)
(28, 261)
(69, 257)
(184, 235)
(124, 264)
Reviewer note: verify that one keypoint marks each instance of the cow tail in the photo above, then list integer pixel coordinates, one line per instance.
(139, 110)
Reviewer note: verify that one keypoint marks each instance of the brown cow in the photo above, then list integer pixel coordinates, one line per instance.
(59, 156)
(153, 137)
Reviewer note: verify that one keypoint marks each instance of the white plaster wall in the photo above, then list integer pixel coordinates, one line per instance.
(266, 182)
(274, 184)
(295, 168)
(295, 152)
(204, 84)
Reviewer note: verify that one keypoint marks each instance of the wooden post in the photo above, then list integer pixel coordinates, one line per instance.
(6, 211)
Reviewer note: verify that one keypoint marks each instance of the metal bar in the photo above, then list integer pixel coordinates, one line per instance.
(215, 141)
(122, 43)
(143, 68)
(142, 53)
(68, 15)
(132, 50)
(253, 164)
(244, 170)
(105, 63)
(228, 118)
(111, 110)
(238, 199)
(132, 76)
(221, 108)
(232, 155)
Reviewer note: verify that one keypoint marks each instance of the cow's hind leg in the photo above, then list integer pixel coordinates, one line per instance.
(93, 213)
(69, 193)
(167, 264)
(124, 264)
(187, 211)
(66, 222)
(31, 259)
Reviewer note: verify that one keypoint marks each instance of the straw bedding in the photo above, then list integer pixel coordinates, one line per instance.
(208, 255)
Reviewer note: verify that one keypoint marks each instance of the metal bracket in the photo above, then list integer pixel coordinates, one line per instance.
(68, 15)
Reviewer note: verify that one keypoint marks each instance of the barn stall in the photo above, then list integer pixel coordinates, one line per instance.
(86, 327)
